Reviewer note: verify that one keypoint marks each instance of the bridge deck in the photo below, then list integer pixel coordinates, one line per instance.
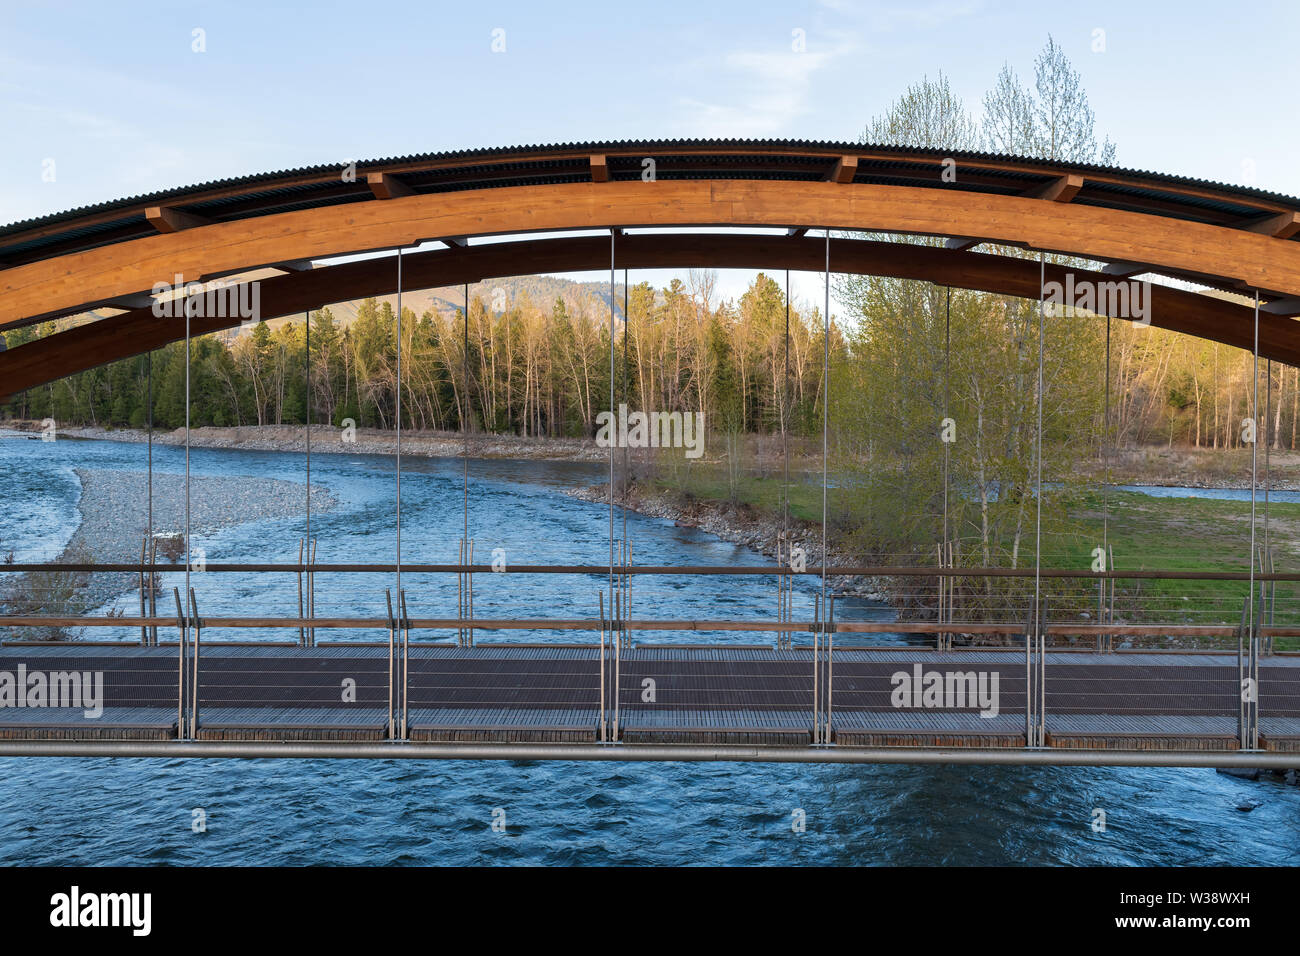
(698, 695)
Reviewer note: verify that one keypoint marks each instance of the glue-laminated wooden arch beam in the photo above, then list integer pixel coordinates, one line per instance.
(109, 273)
(137, 331)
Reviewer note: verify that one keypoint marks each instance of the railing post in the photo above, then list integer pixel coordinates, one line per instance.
(144, 553)
(1102, 584)
(816, 662)
(460, 594)
(1110, 612)
(1256, 639)
(625, 604)
(392, 629)
(302, 634)
(311, 591)
(1030, 695)
(181, 723)
(153, 589)
(1042, 672)
(1272, 602)
(601, 596)
(469, 591)
(782, 637)
(194, 670)
(465, 594)
(830, 667)
(406, 642)
(952, 592)
(1242, 687)
(616, 625)
(940, 582)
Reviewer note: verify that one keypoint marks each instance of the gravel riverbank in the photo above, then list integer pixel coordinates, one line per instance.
(113, 508)
(327, 439)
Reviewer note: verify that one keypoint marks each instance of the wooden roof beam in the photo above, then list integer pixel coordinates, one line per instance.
(1282, 226)
(1282, 307)
(387, 186)
(599, 169)
(846, 167)
(62, 285)
(1060, 189)
(1125, 270)
(166, 219)
(97, 343)
(296, 265)
(130, 302)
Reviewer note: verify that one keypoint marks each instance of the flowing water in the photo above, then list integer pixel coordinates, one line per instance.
(96, 811)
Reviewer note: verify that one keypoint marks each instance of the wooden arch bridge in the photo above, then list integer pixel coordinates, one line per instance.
(298, 233)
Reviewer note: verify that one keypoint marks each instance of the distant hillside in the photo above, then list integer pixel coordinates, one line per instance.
(591, 297)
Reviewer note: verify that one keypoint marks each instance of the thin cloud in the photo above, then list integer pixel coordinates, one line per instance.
(884, 18)
(776, 84)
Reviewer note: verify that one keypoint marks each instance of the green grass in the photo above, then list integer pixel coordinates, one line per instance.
(1145, 533)
(1188, 534)
(762, 494)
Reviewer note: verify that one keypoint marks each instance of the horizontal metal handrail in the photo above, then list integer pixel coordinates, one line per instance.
(604, 569)
(854, 571)
(594, 624)
(408, 750)
(1008, 649)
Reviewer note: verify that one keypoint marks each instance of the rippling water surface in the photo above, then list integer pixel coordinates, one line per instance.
(94, 811)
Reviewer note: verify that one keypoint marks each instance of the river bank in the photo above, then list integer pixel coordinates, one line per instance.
(113, 509)
(328, 439)
(1162, 524)
(1168, 467)
(1156, 466)
(739, 524)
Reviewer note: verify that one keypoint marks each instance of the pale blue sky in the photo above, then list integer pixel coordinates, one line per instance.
(114, 94)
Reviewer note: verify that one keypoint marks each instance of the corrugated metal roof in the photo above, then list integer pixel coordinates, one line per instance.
(1244, 193)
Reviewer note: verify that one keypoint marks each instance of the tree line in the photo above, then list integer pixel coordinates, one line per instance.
(525, 369)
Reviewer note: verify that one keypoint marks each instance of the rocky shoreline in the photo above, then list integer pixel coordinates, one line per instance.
(738, 524)
(328, 439)
(114, 525)
(742, 524)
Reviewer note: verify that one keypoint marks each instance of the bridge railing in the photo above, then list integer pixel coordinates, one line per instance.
(1143, 607)
(599, 669)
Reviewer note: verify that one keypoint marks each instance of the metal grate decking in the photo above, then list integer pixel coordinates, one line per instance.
(506, 693)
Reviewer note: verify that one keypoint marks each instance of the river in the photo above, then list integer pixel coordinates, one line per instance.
(77, 811)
